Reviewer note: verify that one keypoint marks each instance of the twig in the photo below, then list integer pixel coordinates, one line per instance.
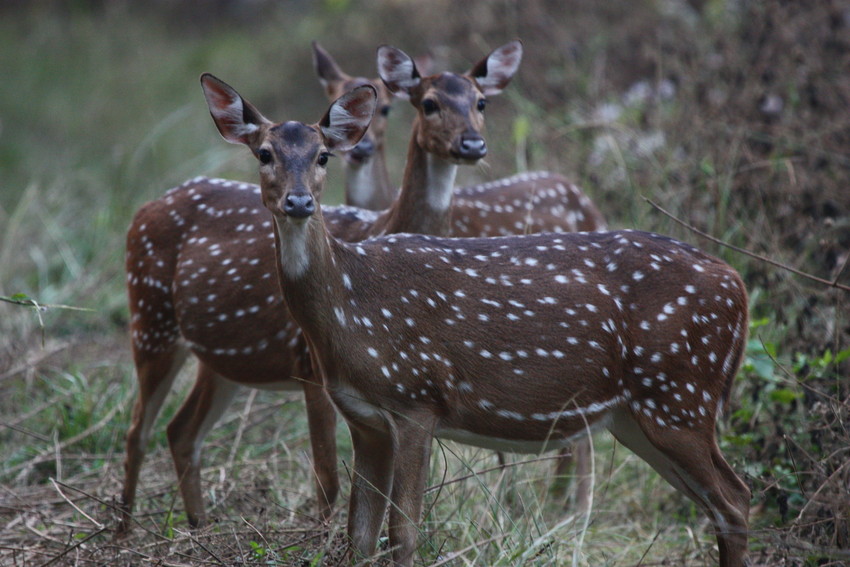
(31, 363)
(97, 524)
(646, 551)
(50, 453)
(830, 552)
(39, 436)
(211, 553)
(455, 554)
(491, 469)
(786, 267)
(821, 488)
(793, 379)
(843, 266)
(72, 548)
(23, 300)
(241, 429)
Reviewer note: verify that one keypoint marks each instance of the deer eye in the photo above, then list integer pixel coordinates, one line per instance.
(385, 110)
(264, 156)
(482, 104)
(429, 106)
(323, 158)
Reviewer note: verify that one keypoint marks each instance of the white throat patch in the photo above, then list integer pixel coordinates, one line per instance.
(294, 255)
(441, 182)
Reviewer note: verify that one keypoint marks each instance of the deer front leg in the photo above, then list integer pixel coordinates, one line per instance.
(410, 473)
(370, 486)
(321, 419)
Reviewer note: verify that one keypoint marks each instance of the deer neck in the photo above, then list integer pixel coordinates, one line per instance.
(367, 185)
(314, 284)
(424, 202)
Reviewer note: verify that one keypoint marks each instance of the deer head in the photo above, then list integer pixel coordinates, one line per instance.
(436, 96)
(292, 155)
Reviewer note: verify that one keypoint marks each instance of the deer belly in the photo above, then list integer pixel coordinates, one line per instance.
(503, 444)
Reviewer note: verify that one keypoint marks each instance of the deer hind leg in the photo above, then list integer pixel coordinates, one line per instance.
(690, 460)
(577, 457)
(582, 476)
(155, 373)
(208, 400)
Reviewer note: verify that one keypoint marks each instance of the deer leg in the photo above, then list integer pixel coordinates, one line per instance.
(370, 485)
(560, 482)
(209, 398)
(577, 455)
(410, 472)
(690, 460)
(321, 419)
(583, 481)
(155, 374)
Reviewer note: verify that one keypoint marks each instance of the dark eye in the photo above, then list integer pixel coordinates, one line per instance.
(264, 156)
(429, 106)
(482, 104)
(385, 110)
(323, 158)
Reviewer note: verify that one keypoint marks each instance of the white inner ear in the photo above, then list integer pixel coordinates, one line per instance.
(233, 115)
(400, 75)
(501, 66)
(343, 126)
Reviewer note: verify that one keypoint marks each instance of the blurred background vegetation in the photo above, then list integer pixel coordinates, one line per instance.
(731, 114)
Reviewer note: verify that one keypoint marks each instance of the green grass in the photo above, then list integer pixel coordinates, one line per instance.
(101, 111)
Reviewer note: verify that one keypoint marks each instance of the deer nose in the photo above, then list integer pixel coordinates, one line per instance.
(363, 150)
(472, 147)
(299, 206)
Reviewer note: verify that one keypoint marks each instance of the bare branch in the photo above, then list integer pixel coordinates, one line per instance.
(695, 230)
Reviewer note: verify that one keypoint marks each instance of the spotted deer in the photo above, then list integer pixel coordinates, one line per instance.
(518, 342)
(367, 182)
(537, 201)
(200, 277)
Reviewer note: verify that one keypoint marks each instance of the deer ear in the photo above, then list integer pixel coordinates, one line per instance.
(326, 68)
(398, 71)
(237, 120)
(348, 118)
(494, 72)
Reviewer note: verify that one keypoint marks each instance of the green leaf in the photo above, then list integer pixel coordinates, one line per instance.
(763, 367)
(784, 396)
(521, 128)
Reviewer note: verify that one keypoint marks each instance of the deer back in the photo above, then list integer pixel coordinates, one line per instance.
(523, 339)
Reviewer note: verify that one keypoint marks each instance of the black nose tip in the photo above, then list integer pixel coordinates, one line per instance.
(472, 147)
(299, 206)
(363, 150)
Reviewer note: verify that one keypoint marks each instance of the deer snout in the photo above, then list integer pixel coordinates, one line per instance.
(364, 149)
(471, 147)
(298, 205)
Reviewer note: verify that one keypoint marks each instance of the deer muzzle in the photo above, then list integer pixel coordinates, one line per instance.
(299, 205)
(362, 151)
(471, 147)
